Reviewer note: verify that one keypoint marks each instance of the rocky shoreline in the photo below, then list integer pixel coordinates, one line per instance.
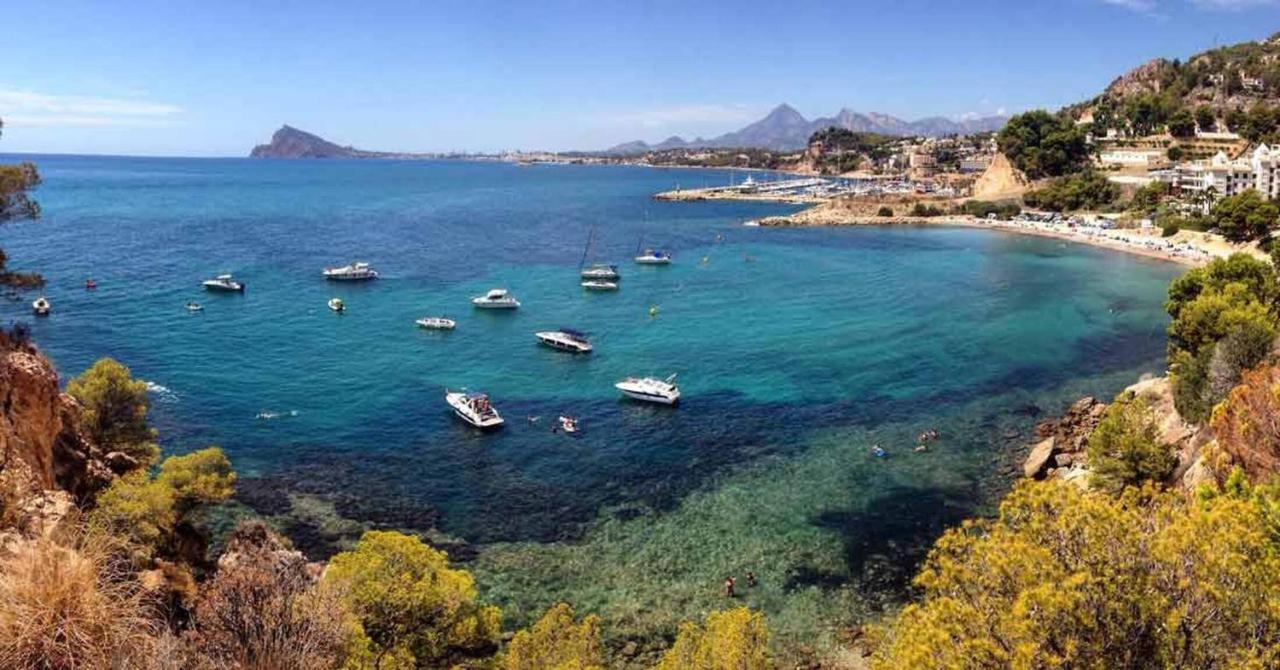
(1061, 443)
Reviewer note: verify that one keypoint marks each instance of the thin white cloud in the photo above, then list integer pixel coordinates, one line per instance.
(1140, 6)
(1151, 7)
(31, 109)
(1233, 5)
(687, 115)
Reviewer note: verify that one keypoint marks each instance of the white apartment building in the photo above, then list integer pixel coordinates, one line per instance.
(1260, 170)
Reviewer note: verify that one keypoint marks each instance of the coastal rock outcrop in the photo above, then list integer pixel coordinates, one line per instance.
(1061, 449)
(1063, 440)
(46, 464)
(289, 142)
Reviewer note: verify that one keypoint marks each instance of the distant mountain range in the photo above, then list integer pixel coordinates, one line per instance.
(785, 129)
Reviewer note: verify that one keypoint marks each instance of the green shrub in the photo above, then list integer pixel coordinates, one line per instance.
(884, 210)
(411, 607)
(1125, 449)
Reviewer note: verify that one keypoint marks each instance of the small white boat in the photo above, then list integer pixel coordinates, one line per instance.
(195, 307)
(41, 306)
(474, 408)
(600, 271)
(496, 298)
(599, 285)
(568, 424)
(753, 223)
(353, 272)
(654, 257)
(223, 283)
(436, 323)
(650, 389)
(337, 305)
(565, 339)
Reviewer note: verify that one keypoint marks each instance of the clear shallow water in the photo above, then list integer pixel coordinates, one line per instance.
(783, 339)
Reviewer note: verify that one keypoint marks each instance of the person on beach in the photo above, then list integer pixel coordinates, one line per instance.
(728, 587)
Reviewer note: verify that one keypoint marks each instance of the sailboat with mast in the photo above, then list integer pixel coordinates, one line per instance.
(596, 272)
(651, 256)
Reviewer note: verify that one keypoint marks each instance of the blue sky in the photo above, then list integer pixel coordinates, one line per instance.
(215, 78)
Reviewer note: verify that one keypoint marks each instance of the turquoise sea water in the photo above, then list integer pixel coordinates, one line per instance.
(786, 341)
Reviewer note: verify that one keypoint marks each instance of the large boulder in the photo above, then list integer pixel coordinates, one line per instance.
(1040, 458)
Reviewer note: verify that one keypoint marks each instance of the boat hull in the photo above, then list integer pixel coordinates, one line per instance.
(495, 305)
(649, 397)
(652, 261)
(563, 345)
(219, 288)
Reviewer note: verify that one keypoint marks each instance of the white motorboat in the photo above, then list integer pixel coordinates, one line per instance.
(568, 424)
(223, 283)
(353, 272)
(41, 306)
(337, 305)
(650, 389)
(195, 307)
(565, 339)
(599, 285)
(496, 298)
(653, 257)
(436, 323)
(474, 408)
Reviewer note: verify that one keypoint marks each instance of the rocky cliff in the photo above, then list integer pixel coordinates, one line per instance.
(46, 463)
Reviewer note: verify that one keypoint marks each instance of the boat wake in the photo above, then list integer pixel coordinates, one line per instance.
(162, 393)
(267, 415)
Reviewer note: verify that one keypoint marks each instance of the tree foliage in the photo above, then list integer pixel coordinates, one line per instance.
(115, 409)
(1182, 123)
(735, 639)
(145, 510)
(1065, 578)
(1206, 118)
(16, 183)
(556, 642)
(1223, 322)
(411, 608)
(1245, 216)
(1125, 449)
(198, 478)
(1043, 145)
(1088, 190)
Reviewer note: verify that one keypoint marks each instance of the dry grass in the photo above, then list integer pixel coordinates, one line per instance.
(68, 607)
(264, 612)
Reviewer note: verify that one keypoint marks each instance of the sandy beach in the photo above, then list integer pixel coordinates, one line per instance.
(1188, 247)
